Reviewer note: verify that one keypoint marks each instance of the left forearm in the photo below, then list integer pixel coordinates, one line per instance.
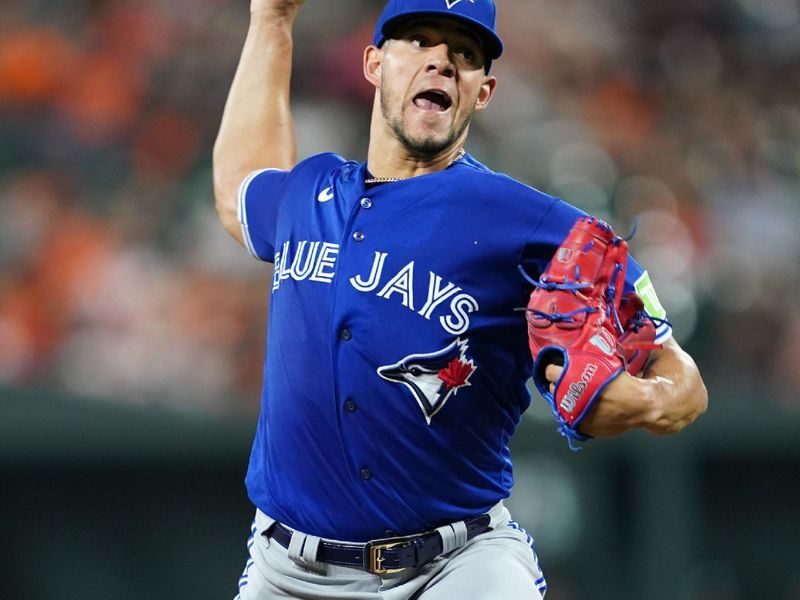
(677, 394)
(669, 396)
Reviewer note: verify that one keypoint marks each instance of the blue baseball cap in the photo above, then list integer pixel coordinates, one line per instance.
(479, 15)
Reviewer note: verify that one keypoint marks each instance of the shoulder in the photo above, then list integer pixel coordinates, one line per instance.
(308, 172)
(478, 174)
(320, 163)
(546, 218)
(517, 197)
(326, 169)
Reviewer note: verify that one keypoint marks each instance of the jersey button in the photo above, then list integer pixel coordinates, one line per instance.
(346, 335)
(350, 406)
(366, 474)
(359, 236)
(366, 203)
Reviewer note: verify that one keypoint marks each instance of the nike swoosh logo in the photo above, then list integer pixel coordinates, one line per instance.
(325, 195)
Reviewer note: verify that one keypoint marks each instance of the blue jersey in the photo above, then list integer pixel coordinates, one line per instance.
(396, 363)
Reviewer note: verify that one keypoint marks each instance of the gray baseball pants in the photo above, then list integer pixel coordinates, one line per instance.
(499, 564)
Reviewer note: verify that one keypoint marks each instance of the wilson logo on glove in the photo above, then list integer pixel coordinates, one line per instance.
(575, 390)
(579, 319)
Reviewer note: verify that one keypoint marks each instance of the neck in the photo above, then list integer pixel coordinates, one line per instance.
(388, 158)
(388, 167)
(384, 179)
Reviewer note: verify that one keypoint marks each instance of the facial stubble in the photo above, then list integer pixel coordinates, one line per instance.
(426, 147)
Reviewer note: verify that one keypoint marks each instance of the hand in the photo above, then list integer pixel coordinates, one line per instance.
(670, 396)
(624, 404)
(621, 406)
(617, 409)
(552, 373)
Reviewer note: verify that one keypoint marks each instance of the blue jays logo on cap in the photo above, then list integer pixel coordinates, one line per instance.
(479, 15)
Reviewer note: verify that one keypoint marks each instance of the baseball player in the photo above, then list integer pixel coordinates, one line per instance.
(396, 363)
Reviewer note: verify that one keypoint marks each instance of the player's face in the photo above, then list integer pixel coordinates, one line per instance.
(432, 80)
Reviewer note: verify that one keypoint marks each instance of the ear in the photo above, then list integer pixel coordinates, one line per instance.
(486, 92)
(373, 59)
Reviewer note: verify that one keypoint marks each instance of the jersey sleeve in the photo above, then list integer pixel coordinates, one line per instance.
(638, 280)
(552, 230)
(264, 205)
(259, 198)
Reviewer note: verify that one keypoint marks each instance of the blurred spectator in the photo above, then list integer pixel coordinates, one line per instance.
(116, 281)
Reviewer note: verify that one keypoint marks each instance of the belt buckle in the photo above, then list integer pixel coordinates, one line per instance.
(374, 555)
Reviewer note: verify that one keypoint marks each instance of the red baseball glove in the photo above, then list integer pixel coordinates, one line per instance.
(578, 319)
(638, 334)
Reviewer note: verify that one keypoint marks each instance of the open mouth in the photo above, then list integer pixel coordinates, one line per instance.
(433, 100)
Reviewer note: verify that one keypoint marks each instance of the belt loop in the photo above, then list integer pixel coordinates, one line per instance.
(460, 531)
(303, 552)
(499, 516)
(453, 536)
(448, 538)
(310, 550)
(296, 546)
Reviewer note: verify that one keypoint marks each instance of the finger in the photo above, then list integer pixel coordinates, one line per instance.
(553, 372)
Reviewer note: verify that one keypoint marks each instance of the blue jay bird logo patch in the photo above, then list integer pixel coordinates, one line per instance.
(433, 378)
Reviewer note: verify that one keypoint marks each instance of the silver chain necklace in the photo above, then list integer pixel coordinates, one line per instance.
(461, 153)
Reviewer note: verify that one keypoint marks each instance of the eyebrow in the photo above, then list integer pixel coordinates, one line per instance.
(456, 28)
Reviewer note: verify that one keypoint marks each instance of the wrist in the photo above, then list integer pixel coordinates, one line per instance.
(655, 414)
(638, 401)
(274, 16)
(648, 403)
(270, 32)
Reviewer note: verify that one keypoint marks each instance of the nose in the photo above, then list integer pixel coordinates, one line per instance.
(439, 60)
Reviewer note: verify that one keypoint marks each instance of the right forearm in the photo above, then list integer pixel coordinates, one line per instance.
(256, 129)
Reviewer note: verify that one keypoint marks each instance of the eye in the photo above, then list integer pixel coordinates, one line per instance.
(415, 371)
(467, 54)
(419, 41)
(470, 56)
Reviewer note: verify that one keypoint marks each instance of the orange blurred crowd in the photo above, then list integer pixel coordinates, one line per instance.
(117, 282)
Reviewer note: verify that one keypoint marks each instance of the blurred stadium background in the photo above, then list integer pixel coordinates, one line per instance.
(131, 327)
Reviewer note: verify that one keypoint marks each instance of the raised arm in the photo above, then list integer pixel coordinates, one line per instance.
(669, 396)
(256, 129)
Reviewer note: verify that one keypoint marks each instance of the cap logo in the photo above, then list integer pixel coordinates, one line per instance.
(452, 3)
(479, 16)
